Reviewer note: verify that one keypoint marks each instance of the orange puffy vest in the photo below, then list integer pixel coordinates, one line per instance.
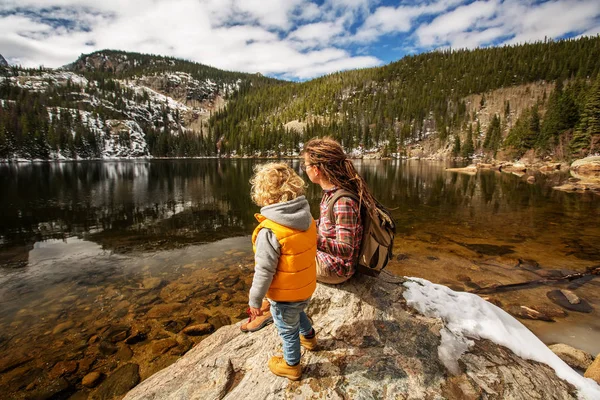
(296, 276)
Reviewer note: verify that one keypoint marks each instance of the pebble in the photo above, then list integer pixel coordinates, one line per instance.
(197, 330)
(117, 333)
(92, 379)
(529, 265)
(162, 346)
(107, 348)
(151, 283)
(124, 353)
(60, 328)
(164, 310)
(175, 326)
(62, 368)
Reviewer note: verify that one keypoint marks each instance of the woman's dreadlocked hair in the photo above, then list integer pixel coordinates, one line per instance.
(328, 155)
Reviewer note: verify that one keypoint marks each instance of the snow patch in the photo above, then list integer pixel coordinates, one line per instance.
(466, 315)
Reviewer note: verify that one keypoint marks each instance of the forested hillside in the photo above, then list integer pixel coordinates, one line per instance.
(116, 104)
(424, 96)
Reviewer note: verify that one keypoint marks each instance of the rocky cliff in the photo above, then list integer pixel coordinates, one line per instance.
(373, 343)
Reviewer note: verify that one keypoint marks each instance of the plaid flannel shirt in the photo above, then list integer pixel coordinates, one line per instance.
(338, 243)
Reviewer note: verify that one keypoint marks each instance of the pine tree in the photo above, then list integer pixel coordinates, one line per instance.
(493, 135)
(456, 147)
(4, 145)
(468, 150)
(588, 129)
(393, 142)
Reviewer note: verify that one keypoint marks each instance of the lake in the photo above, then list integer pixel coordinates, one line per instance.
(108, 263)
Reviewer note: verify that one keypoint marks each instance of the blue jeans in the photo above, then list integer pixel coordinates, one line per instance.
(291, 321)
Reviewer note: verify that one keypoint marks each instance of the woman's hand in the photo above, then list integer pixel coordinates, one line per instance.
(255, 312)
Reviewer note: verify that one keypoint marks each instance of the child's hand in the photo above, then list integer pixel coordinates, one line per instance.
(255, 312)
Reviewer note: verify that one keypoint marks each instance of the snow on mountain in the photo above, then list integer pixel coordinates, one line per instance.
(174, 102)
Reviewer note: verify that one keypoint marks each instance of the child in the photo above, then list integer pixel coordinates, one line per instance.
(285, 246)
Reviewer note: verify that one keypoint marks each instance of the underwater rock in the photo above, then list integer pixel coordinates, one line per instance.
(219, 320)
(550, 311)
(60, 328)
(164, 310)
(528, 313)
(162, 346)
(118, 383)
(198, 330)
(152, 283)
(558, 297)
(92, 379)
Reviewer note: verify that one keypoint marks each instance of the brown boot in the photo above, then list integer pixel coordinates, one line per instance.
(279, 367)
(265, 306)
(257, 323)
(309, 343)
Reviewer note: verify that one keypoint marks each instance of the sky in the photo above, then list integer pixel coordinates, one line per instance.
(286, 39)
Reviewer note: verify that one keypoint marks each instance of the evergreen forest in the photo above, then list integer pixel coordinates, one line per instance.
(385, 109)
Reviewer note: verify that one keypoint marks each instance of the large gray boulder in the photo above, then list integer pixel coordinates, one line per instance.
(372, 344)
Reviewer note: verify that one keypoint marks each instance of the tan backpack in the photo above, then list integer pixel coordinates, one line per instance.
(377, 242)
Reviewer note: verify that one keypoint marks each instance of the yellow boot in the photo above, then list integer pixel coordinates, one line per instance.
(309, 344)
(256, 323)
(279, 367)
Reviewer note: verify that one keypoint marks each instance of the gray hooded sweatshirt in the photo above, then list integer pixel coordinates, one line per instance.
(293, 214)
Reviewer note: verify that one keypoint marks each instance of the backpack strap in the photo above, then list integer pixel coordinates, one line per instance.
(336, 196)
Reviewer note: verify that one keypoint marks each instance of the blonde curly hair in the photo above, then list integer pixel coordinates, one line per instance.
(275, 183)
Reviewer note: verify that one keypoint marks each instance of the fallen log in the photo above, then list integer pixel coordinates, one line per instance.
(536, 282)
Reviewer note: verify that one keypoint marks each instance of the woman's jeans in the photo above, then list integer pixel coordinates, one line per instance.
(291, 321)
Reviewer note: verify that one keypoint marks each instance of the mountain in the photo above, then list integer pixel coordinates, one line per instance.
(113, 104)
(3, 62)
(538, 98)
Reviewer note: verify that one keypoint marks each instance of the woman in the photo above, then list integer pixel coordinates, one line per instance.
(338, 242)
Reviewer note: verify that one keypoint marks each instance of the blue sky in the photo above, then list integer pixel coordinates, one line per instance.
(289, 39)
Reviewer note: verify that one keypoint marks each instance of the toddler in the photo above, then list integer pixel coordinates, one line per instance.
(285, 246)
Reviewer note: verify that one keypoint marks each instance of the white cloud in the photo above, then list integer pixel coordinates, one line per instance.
(390, 20)
(457, 21)
(241, 35)
(385, 20)
(317, 34)
(508, 22)
(291, 38)
(309, 12)
(555, 19)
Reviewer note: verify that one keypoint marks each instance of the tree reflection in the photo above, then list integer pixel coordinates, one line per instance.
(144, 205)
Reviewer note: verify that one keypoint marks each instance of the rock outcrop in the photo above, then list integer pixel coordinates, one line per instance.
(593, 372)
(371, 345)
(585, 176)
(575, 358)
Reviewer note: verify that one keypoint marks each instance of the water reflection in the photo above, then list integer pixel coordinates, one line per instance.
(145, 205)
(123, 205)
